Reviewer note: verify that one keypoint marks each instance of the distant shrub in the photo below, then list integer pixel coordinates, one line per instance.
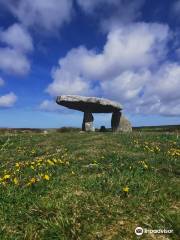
(68, 129)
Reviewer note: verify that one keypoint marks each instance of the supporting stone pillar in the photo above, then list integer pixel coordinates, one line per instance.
(115, 120)
(87, 124)
(125, 125)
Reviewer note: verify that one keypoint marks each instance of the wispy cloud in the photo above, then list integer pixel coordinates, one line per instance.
(13, 56)
(1, 81)
(8, 100)
(132, 68)
(49, 15)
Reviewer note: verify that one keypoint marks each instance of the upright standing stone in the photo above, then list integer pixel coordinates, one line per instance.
(125, 125)
(87, 124)
(115, 120)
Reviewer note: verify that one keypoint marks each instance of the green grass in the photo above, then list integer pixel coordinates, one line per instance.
(101, 185)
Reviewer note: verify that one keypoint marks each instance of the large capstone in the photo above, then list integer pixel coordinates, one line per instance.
(88, 104)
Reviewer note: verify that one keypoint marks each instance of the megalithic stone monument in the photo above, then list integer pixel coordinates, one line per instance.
(87, 124)
(90, 105)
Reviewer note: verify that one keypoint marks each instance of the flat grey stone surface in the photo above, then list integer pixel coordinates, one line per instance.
(88, 104)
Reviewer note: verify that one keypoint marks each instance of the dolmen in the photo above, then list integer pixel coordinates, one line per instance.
(90, 105)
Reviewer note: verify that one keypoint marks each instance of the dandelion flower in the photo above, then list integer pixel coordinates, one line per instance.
(17, 165)
(15, 180)
(33, 180)
(50, 162)
(7, 176)
(46, 177)
(145, 166)
(126, 189)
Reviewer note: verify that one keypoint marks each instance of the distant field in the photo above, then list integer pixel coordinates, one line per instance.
(164, 128)
(73, 185)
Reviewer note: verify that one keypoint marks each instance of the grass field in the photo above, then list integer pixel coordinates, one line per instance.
(88, 185)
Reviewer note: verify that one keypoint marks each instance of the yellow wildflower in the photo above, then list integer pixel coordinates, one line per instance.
(15, 180)
(145, 166)
(126, 189)
(50, 162)
(46, 177)
(40, 160)
(32, 181)
(7, 176)
(17, 165)
(60, 161)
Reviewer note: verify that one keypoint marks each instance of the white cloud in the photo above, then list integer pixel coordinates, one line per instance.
(49, 105)
(156, 106)
(161, 94)
(124, 12)
(1, 82)
(172, 109)
(166, 82)
(131, 69)
(16, 36)
(48, 14)
(13, 57)
(131, 47)
(13, 61)
(127, 86)
(148, 92)
(112, 13)
(52, 106)
(64, 82)
(51, 15)
(8, 100)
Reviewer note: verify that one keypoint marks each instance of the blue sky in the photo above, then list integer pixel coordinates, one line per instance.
(127, 51)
